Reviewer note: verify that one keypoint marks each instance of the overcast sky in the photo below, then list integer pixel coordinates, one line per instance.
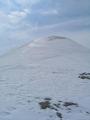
(24, 20)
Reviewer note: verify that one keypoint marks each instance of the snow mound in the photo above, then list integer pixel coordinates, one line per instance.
(42, 80)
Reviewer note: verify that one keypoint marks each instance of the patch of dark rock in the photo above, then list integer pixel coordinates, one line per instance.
(53, 108)
(48, 99)
(57, 105)
(59, 115)
(66, 104)
(88, 112)
(44, 104)
(84, 75)
(51, 38)
(59, 101)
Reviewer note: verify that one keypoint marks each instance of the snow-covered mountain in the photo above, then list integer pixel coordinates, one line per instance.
(47, 79)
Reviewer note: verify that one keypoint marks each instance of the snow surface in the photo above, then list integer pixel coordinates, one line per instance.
(45, 68)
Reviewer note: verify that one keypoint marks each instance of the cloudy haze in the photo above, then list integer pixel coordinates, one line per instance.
(24, 20)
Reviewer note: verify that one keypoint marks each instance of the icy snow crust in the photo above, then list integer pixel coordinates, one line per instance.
(45, 69)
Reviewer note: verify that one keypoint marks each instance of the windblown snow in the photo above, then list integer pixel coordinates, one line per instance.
(48, 79)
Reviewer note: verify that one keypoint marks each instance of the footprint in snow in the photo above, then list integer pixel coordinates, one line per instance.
(11, 108)
(4, 113)
(8, 111)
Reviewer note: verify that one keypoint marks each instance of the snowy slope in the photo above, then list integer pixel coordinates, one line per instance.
(45, 72)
